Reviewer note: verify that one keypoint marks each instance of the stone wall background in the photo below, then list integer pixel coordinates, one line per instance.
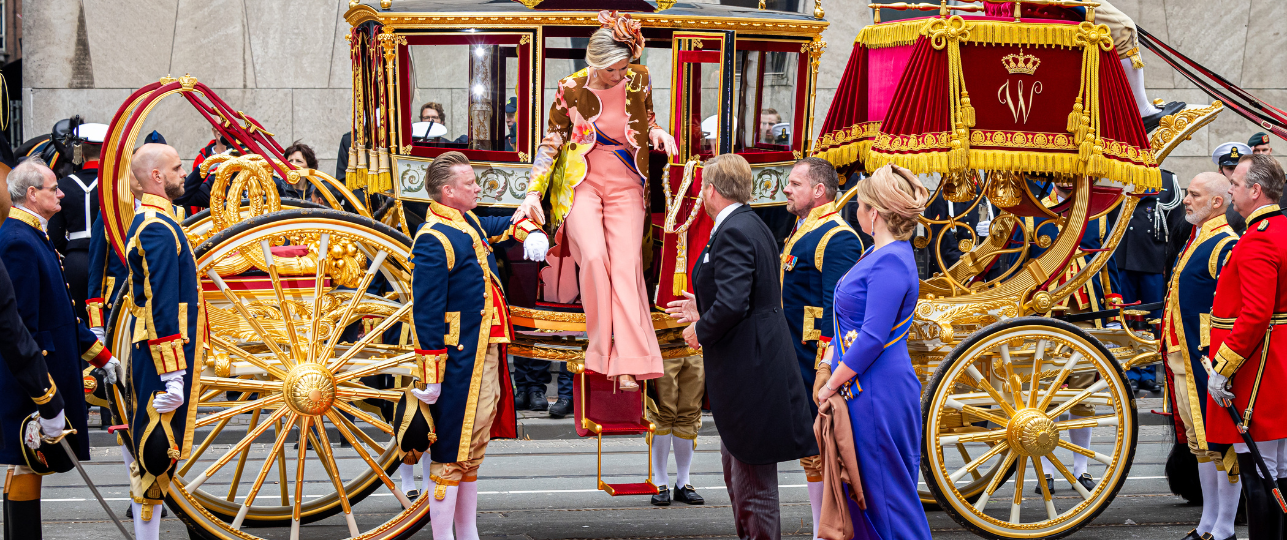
(285, 63)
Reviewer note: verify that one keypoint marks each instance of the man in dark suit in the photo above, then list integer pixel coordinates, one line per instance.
(756, 393)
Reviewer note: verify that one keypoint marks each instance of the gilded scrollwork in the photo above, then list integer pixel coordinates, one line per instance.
(935, 319)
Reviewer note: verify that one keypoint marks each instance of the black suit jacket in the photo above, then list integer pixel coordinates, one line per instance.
(759, 401)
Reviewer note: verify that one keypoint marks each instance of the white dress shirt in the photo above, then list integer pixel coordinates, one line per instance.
(719, 218)
(44, 223)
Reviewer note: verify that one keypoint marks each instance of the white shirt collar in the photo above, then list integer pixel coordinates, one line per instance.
(44, 223)
(719, 218)
(1262, 206)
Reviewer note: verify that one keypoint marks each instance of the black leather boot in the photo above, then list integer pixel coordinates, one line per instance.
(521, 401)
(28, 527)
(1264, 517)
(537, 400)
(561, 408)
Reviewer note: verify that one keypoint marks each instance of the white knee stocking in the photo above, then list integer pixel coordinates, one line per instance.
(126, 457)
(1079, 437)
(146, 530)
(442, 513)
(467, 511)
(1136, 77)
(1228, 494)
(660, 456)
(815, 504)
(1208, 474)
(683, 460)
(425, 484)
(407, 474)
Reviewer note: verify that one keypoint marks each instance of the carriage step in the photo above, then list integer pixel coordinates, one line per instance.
(641, 488)
(616, 428)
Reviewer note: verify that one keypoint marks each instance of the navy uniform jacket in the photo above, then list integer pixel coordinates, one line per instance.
(1186, 321)
(817, 254)
(169, 333)
(43, 301)
(1143, 246)
(459, 311)
(22, 357)
(69, 228)
(107, 274)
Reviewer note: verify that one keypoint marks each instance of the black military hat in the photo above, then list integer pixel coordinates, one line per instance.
(511, 106)
(413, 427)
(48, 456)
(1258, 139)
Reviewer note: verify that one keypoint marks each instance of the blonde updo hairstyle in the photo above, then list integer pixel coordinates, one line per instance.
(898, 197)
(604, 51)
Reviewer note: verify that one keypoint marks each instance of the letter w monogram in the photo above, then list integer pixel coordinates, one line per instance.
(1020, 106)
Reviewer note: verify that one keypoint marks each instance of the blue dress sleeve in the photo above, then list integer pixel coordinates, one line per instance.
(842, 252)
(883, 304)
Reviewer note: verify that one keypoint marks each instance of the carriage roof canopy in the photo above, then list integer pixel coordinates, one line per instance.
(947, 94)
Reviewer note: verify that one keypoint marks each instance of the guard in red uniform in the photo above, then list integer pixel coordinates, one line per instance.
(1249, 335)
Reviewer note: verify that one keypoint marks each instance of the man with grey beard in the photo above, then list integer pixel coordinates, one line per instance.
(1186, 332)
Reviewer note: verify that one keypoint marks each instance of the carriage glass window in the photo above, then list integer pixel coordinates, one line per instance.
(766, 95)
(701, 130)
(467, 93)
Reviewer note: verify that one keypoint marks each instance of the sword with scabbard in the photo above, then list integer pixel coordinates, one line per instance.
(1265, 475)
(61, 440)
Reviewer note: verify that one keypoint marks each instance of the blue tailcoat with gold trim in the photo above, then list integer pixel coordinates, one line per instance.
(1189, 298)
(169, 333)
(459, 310)
(46, 307)
(107, 274)
(817, 254)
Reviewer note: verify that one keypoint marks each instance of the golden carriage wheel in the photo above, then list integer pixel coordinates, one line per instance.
(980, 409)
(274, 367)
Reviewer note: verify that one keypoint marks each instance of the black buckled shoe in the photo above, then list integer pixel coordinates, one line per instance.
(521, 401)
(413, 494)
(1193, 535)
(537, 401)
(662, 498)
(685, 494)
(1050, 483)
(561, 408)
(1087, 482)
(1150, 385)
(1151, 121)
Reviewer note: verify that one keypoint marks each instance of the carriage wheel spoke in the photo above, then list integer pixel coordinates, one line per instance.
(254, 360)
(278, 444)
(369, 337)
(365, 438)
(235, 300)
(1063, 407)
(299, 478)
(333, 470)
(976, 412)
(1017, 504)
(1038, 360)
(245, 441)
(991, 390)
(1086, 452)
(1059, 466)
(201, 450)
(340, 423)
(365, 417)
(241, 459)
(208, 396)
(365, 392)
(1051, 513)
(1053, 389)
(288, 320)
(241, 385)
(965, 455)
(982, 503)
(974, 465)
(374, 367)
(980, 436)
(358, 294)
(261, 403)
(1088, 422)
(324, 244)
(1011, 378)
(282, 430)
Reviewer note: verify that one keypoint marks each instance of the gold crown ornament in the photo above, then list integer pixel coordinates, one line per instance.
(1024, 64)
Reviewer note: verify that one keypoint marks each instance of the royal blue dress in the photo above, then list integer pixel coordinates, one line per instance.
(872, 323)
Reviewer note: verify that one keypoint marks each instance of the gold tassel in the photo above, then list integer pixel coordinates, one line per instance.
(350, 170)
(383, 181)
(1074, 117)
(967, 110)
(1136, 61)
(358, 179)
(681, 265)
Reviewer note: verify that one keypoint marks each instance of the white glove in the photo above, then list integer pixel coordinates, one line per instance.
(1217, 388)
(52, 427)
(430, 394)
(982, 227)
(111, 370)
(99, 333)
(172, 398)
(535, 246)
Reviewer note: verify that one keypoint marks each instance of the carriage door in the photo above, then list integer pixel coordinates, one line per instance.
(701, 117)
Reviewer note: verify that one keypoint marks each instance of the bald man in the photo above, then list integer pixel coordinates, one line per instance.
(1186, 340)
(164, 293)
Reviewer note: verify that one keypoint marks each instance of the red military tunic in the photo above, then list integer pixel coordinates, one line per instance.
(1250, 296)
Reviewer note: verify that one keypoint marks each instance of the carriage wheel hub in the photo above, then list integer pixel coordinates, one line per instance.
(309, 389)
(1032, 432)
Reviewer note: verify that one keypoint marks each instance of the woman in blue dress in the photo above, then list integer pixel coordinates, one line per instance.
(873, 313)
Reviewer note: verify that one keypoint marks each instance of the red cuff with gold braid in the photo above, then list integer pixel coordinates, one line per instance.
(94, 308)
(523, 228)
(430, 365)
(823, 343)
(167, 354)
(97, 355)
